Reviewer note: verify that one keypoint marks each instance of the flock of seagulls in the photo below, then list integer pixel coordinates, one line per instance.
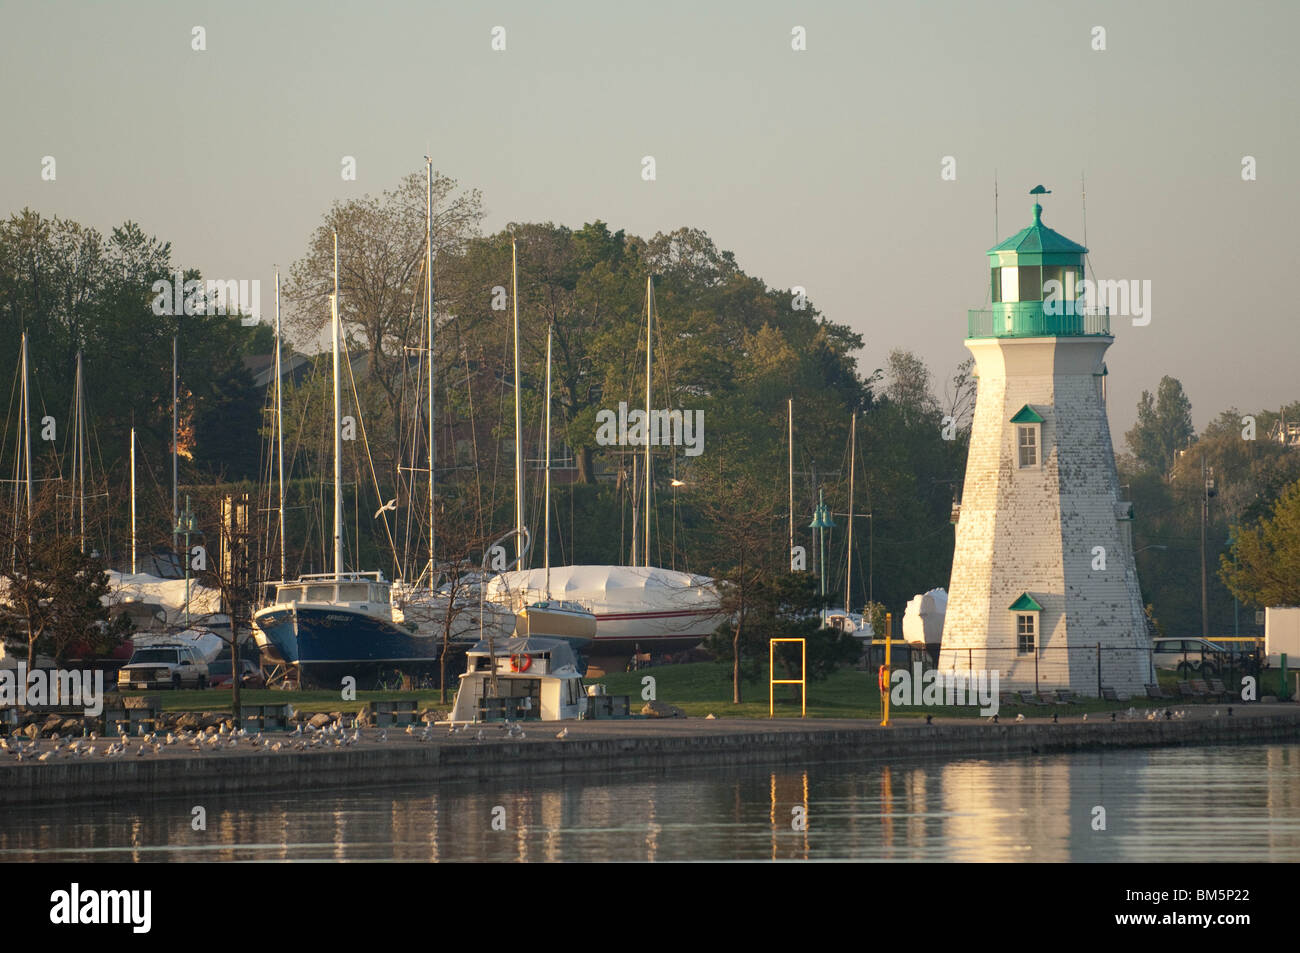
(220, 738)
(1132, 714)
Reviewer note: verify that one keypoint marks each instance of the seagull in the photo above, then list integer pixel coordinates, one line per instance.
(563, 733)
(1020, 717)
(479, 736)
(410, 729)
(390, 506)
(383, 734)
(48, 756)
(1085, 716)
(277, 746)
(710, 717)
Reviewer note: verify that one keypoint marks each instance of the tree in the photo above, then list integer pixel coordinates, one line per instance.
(1164, 426)
(908, 386)
(1263, 566)
(56, 594)
(742, 514)
(381, 255)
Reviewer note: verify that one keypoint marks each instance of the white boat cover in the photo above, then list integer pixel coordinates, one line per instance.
(168, 593)
(605, 589)
(923, 618)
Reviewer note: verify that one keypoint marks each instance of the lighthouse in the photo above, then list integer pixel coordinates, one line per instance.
(1044, 587)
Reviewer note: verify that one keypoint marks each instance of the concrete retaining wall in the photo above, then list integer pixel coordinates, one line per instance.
(645, 748)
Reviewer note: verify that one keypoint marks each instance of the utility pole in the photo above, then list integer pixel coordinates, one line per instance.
(1207, 491)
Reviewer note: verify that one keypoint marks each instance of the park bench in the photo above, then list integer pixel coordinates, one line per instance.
(1218, 688)
(1065, 696)
(1188, 690)
(397, 711)
(1158, 693)
(265, 717)
(609, 706)
(1029, 698)
(131, 714)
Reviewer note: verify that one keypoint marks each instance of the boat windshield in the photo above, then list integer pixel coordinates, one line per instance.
(320, 594)
(353, 592)
(289, 594)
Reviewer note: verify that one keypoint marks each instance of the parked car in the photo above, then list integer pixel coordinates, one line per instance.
(1188, 657)
(164, 666)
(250, 674)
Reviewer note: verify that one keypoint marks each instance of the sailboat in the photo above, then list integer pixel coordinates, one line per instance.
(846, 620)
(324, 626)
(564, 619)
(636, 608)
(538, 612)
(425, 604)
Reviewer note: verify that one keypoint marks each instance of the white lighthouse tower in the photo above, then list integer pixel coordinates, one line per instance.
(1044, 588)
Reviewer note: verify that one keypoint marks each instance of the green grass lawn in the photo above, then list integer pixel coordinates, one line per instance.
(699, 688)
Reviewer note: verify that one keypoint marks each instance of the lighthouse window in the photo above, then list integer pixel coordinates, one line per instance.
(1027, 438)
(1031, 283)
(1025, 631)
(997, 284)
(1010, 284)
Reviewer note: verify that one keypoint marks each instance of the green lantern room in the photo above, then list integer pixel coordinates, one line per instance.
(1036, 287)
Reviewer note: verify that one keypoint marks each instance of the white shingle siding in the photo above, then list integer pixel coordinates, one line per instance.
(1034, 529)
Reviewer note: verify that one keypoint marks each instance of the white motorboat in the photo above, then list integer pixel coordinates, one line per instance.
(520, 679)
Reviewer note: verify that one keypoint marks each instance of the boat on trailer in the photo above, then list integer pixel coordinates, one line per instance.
(520, 679)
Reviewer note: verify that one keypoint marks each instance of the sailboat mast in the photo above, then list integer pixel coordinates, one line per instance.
(649, 365)
(546, 496)
(853, 459)
(279, 421)
(338, 435)
(80, 450)
(133, 501)
(175, 507)
(636, 507)
(789, 409)
(27, 443)
(428, 264)
(519, 433)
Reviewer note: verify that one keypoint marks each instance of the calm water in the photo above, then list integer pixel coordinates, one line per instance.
(1235, 803)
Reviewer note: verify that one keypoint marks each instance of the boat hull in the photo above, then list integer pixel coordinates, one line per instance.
(576, 628)
(334, 641)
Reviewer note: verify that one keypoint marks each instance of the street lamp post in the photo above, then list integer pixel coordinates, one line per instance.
(185, 525)
(821, 522)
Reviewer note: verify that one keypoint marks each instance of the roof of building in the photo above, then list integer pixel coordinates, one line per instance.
(1026, 603)
(1038, 239)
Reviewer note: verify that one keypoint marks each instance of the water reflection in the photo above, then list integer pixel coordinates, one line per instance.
(1223, 803)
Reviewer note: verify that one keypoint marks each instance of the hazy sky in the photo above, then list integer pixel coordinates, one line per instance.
(818, 168)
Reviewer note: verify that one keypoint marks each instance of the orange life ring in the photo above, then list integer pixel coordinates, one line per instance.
(517, 666)
(882, 678)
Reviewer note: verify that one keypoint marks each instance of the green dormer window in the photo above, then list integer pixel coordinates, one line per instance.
(1029, 437)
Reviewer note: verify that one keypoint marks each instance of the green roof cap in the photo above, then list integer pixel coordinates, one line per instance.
(1026, 603)
(1027, 415)
(1038, 239)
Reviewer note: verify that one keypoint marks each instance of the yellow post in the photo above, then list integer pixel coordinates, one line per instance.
(801, 681)
(884, 692)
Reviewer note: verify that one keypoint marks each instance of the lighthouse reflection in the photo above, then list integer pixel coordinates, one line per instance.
(1154, 805)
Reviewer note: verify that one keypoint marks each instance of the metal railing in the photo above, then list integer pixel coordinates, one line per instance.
(1027, 320)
